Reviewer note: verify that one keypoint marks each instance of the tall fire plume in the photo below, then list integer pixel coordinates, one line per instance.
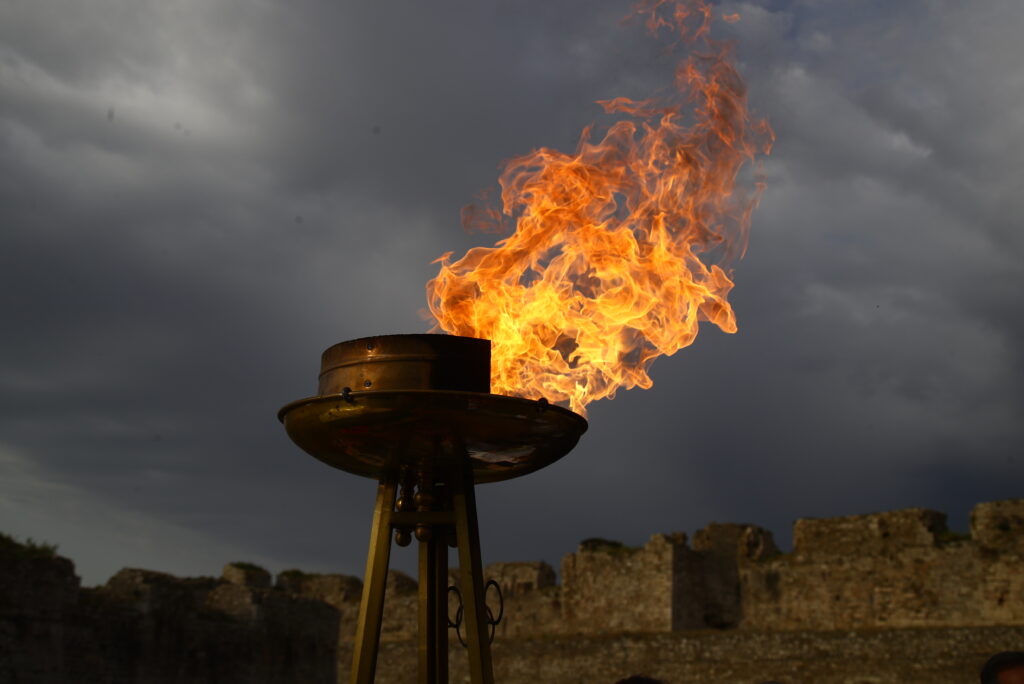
(622, 247)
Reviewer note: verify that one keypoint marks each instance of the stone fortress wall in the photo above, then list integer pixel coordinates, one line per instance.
(896, 569)
(887, 597)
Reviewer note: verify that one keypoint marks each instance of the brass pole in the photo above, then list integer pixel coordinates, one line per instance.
(371, 607)
(440, 543)
(433, 614)
(471, 576)
(429, 607)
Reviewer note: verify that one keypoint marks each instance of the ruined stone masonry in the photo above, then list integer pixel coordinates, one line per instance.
(882, 598)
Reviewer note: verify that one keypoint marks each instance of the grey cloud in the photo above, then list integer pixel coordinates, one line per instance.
(276, 178)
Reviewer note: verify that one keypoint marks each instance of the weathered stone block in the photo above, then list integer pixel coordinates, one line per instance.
(516, 579)
(337, 590)
(612, 588)
(867, 534)
(239, 602)
(149, 591)
(530, 615)
(246, 575)
(708, 589)
(999, 524)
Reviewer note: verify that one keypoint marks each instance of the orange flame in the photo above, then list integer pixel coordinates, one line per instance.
(622, 247)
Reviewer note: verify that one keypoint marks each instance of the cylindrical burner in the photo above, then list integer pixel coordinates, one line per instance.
(407, 362)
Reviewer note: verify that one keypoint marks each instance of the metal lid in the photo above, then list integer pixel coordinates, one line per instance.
(407, 362)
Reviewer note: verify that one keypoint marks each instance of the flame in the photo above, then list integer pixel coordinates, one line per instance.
(622, 247)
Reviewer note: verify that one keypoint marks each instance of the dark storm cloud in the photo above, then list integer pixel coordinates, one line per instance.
(198, 197)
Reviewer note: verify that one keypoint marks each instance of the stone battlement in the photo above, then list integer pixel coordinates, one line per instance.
(877, 533)
(850, 576)
(895, 569)
(898, 569)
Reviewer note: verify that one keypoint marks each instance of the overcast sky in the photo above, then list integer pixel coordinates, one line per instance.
(198, 196)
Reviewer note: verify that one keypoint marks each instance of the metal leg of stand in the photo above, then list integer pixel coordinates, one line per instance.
(471, 577)
(428, 609)
(371, 607)
(441, 601)
(433, 615)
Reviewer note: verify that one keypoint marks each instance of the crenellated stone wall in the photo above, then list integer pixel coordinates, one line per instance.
(882, 598)
(608, 587)
(894, 569)
(152, 628)
(898, 569)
